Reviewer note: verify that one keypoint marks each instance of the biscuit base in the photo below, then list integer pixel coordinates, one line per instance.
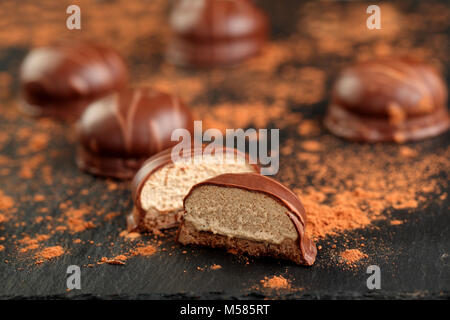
(63, 111)
(153, 221)
(288, 249)
(352, 126)
(215, 53)
(110, 167)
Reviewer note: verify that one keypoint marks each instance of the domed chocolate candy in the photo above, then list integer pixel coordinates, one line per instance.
(60, 81)
(119, 132)
(215, 32)
(388, 100)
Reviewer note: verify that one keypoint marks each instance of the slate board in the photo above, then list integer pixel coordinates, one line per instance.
(416, 266)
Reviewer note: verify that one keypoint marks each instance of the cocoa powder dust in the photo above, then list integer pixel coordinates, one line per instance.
(343, 186)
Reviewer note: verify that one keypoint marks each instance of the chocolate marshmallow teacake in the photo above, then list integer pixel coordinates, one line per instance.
(215, 32)
(162, 182)
(301, 250)
(116, 134)
(60, 81)
(395, 99)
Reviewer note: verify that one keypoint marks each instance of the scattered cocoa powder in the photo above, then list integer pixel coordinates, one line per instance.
(325, 219)
(6, 202)
(38, 198)
(49, 253)
(216, 267)
(225, 116)
(130, 235)
(396, 222)
(276, 282)
(111, 215)
(75, 219)
(29, 167)
(2, 218)
(32, 243)
(311, 146)
(144, 251)
(352, 256)
(308, 128)
(36, 142)
(117, 260)
(407, 152)
(350, 186)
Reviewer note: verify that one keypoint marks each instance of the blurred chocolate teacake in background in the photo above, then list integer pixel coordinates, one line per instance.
(209, 33)
(390, 99)
(59, 81)
(119, 132)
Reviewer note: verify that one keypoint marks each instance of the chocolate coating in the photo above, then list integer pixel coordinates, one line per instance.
(259, 183)
(150, 166)
(388, 100)
(215, 32)
(61, 80)
(119, 132)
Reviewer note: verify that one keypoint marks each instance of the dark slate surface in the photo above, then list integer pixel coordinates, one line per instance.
(415, 265)
(418, 266)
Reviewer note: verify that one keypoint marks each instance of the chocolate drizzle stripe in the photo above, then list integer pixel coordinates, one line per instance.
(121, 121)
(427, 89)
(154, 134)
(415, 83)
(137, 94)
(176, 107)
